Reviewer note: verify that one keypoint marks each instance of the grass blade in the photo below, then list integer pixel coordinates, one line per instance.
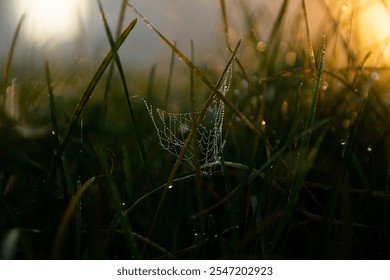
(127, 95)
(304, 158)
(123, 219)
(53, 112)
(85, 97)
(170, 75)
(11, 53)
(67, 218)
(275, 36)
(225, 22)
(111, 69)
(312, 60)
(8, 66)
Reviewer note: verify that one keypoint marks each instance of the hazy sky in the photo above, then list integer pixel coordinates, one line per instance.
(180, 20)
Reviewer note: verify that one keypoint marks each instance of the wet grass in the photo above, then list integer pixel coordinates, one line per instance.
(303, 167)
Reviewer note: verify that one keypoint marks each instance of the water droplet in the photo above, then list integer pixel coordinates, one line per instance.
(170, 186)
(342, 142)
(261, 46)
(375, 76)
(369, 148)
(53, 132)
(324, 85)
(244, 84)
(284, 108)
(290, 58)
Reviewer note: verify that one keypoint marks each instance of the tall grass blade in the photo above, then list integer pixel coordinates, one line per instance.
(275, 35)
(9, 244)
(127, 94)
(304, 158)
(85, 97)
(7, 70)
(53, 113)
(225, 22)
(78, 225)
(111, 69)
(228, 41)
(312, 60)
(120, 211)
(151, 79)
(169, 80)
(11, 54)
(67, 217)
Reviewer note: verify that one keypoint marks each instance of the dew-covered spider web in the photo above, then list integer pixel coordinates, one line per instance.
(173, 128)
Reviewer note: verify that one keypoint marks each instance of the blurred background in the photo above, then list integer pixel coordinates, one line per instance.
(350, 127)
(69, 31)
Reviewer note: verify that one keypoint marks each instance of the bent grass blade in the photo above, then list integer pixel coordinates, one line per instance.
(127, 95)
(67, 217)
(85, 97)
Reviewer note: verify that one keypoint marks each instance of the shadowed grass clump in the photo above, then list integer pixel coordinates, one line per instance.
(302, 165)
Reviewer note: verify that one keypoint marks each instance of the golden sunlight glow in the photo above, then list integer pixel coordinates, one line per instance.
(51, 20)
(374, 38)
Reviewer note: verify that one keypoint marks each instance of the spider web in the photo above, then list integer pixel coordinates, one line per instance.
(173, 128)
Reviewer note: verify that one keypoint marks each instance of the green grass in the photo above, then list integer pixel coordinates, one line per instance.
(304, 167)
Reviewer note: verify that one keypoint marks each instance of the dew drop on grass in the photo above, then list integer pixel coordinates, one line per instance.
(244, 84)
(261, 46)
(290, 58)
(369, 148)
(324, 85)
(344, 8)
(375, 76)
(170, 186)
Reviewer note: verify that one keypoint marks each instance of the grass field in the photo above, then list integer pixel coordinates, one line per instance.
(292, 163)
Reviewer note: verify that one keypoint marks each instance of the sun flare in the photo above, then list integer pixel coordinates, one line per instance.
(52, 20)
(374, 20)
